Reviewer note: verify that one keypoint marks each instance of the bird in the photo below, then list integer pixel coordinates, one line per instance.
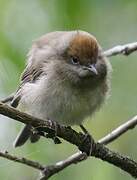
(66, 79)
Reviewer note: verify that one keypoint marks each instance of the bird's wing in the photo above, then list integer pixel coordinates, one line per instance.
(31, 74)
(34, 70)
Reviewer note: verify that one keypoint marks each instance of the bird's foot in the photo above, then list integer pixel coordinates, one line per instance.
(53, 136)
(50, 133)
(88, 140)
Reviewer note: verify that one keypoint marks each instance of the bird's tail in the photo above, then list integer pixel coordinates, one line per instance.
(24, 135)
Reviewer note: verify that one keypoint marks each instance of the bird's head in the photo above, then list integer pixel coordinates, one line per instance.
(73, 56)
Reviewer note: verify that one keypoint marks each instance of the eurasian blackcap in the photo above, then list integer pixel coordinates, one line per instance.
(66, 79)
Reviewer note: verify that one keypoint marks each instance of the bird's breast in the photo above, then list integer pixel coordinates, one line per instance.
(65, 105)
(70, 106)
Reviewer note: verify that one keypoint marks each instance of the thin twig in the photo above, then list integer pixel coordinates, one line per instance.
(53, 169)
(121, 49)
(130, 124)
(22, 160)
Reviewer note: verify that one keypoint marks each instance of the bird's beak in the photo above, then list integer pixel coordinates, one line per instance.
(92, 68)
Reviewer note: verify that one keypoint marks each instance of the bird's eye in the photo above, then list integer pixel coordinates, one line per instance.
(74, 60)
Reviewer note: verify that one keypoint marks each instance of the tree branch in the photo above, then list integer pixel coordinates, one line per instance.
(68, 134)
(59, 166)
(22, 160)
(130, 124)
(78, 157)
(121, 49)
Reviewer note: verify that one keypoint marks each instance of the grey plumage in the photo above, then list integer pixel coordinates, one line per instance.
(53, 87)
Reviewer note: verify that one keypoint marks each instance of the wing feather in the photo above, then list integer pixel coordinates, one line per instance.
(31, 74)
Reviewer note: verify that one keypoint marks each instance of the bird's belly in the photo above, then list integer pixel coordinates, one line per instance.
(71, 110)
(65, 108)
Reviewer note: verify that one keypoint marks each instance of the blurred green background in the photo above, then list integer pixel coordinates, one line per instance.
(113, 23)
